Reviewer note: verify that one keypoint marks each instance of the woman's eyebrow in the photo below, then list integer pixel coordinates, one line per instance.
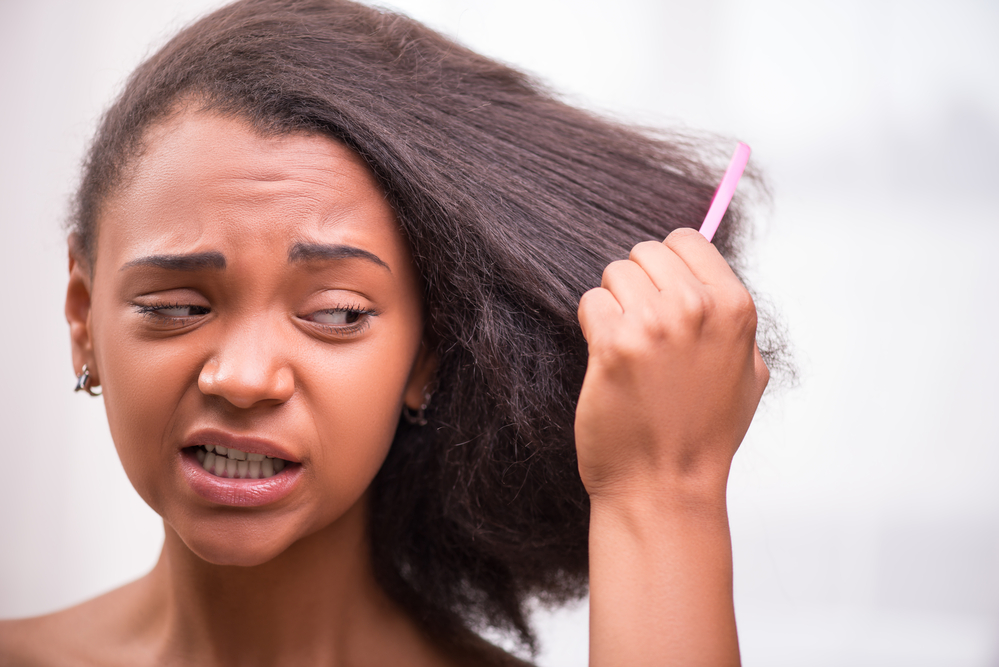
(307, 252)
(195, 261)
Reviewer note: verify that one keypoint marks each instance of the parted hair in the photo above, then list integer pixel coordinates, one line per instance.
(512, 202)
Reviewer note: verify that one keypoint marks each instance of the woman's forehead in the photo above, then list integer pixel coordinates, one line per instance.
(203, 147)
(205, 176)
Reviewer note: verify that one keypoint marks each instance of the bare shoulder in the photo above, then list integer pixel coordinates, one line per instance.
(16, 639)
(41, 640)
(79, 635)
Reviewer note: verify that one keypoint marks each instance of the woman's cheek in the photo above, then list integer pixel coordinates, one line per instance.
(358, 414)
(145, 387)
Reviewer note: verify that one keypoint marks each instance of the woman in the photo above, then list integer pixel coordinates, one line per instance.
(350, 292)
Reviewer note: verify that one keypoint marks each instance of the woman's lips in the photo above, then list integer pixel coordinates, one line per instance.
(237, 492)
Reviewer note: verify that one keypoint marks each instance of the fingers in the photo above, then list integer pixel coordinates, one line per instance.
(665, 269)
(709, 268)
(685, 276)
(687, 259)
(597, 306)
(629, 283)
(702, 258)
(655, 278)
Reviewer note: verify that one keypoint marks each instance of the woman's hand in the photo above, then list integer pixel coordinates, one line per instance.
(674, 374)
(673, 380)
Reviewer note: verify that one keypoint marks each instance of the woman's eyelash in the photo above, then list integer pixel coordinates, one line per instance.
(162, 310)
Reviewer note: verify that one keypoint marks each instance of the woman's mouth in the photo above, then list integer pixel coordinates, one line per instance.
(237, 464)
(234, 477)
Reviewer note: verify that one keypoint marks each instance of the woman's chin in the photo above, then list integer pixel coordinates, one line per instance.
(248, 554)
(242, 548)
(249, 558)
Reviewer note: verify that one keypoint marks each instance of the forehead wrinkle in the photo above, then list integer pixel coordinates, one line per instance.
(330, 192)
(295, 166)
(310, 181)
(309, 210)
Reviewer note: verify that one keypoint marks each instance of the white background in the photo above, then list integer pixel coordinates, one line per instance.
(864, 506)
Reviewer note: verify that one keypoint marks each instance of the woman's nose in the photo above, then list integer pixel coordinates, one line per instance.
(250, 367)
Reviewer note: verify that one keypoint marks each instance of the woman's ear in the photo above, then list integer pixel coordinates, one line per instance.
(78, 315)
(421, 378)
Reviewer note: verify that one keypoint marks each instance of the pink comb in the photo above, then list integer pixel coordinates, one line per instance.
(723, 195)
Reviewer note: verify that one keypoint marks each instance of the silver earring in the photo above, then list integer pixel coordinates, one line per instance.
(83, 382)
(417, 417)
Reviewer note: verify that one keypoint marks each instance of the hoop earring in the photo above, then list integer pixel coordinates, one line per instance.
(417, 417)
(83, 382)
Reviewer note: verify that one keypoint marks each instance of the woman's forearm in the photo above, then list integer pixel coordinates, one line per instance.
(661, 582)
(673, 380)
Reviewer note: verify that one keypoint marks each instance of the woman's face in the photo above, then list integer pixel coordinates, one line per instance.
(253, 293)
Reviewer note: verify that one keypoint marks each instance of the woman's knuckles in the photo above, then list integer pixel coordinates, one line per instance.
(647, 251)
(642, 335)
(623, 346)
(618, 272)
(738, 307)
(689, 309)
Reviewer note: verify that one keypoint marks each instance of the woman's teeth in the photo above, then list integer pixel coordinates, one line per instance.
(229, 462)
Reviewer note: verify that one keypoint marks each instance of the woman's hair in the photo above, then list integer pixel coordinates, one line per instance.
(513, 203)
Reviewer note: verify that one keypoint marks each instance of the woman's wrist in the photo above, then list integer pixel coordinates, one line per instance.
(661, 509)
(695, 489)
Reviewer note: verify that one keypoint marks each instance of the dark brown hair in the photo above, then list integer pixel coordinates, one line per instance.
(513, 202)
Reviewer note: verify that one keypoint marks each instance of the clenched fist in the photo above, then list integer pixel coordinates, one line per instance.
(674, 374)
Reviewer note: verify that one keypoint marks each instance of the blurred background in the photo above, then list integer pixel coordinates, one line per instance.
(864, 503)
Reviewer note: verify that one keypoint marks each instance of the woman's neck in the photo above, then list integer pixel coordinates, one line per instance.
(315, 603)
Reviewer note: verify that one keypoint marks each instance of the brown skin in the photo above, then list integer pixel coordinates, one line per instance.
(265, 347)
(673, 380)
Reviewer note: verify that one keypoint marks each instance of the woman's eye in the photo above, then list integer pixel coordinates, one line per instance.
(182, 311)
(337, 317)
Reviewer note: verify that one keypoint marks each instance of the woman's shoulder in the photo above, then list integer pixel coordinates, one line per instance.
(110, 630)
(40, 640)
(79, 635)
